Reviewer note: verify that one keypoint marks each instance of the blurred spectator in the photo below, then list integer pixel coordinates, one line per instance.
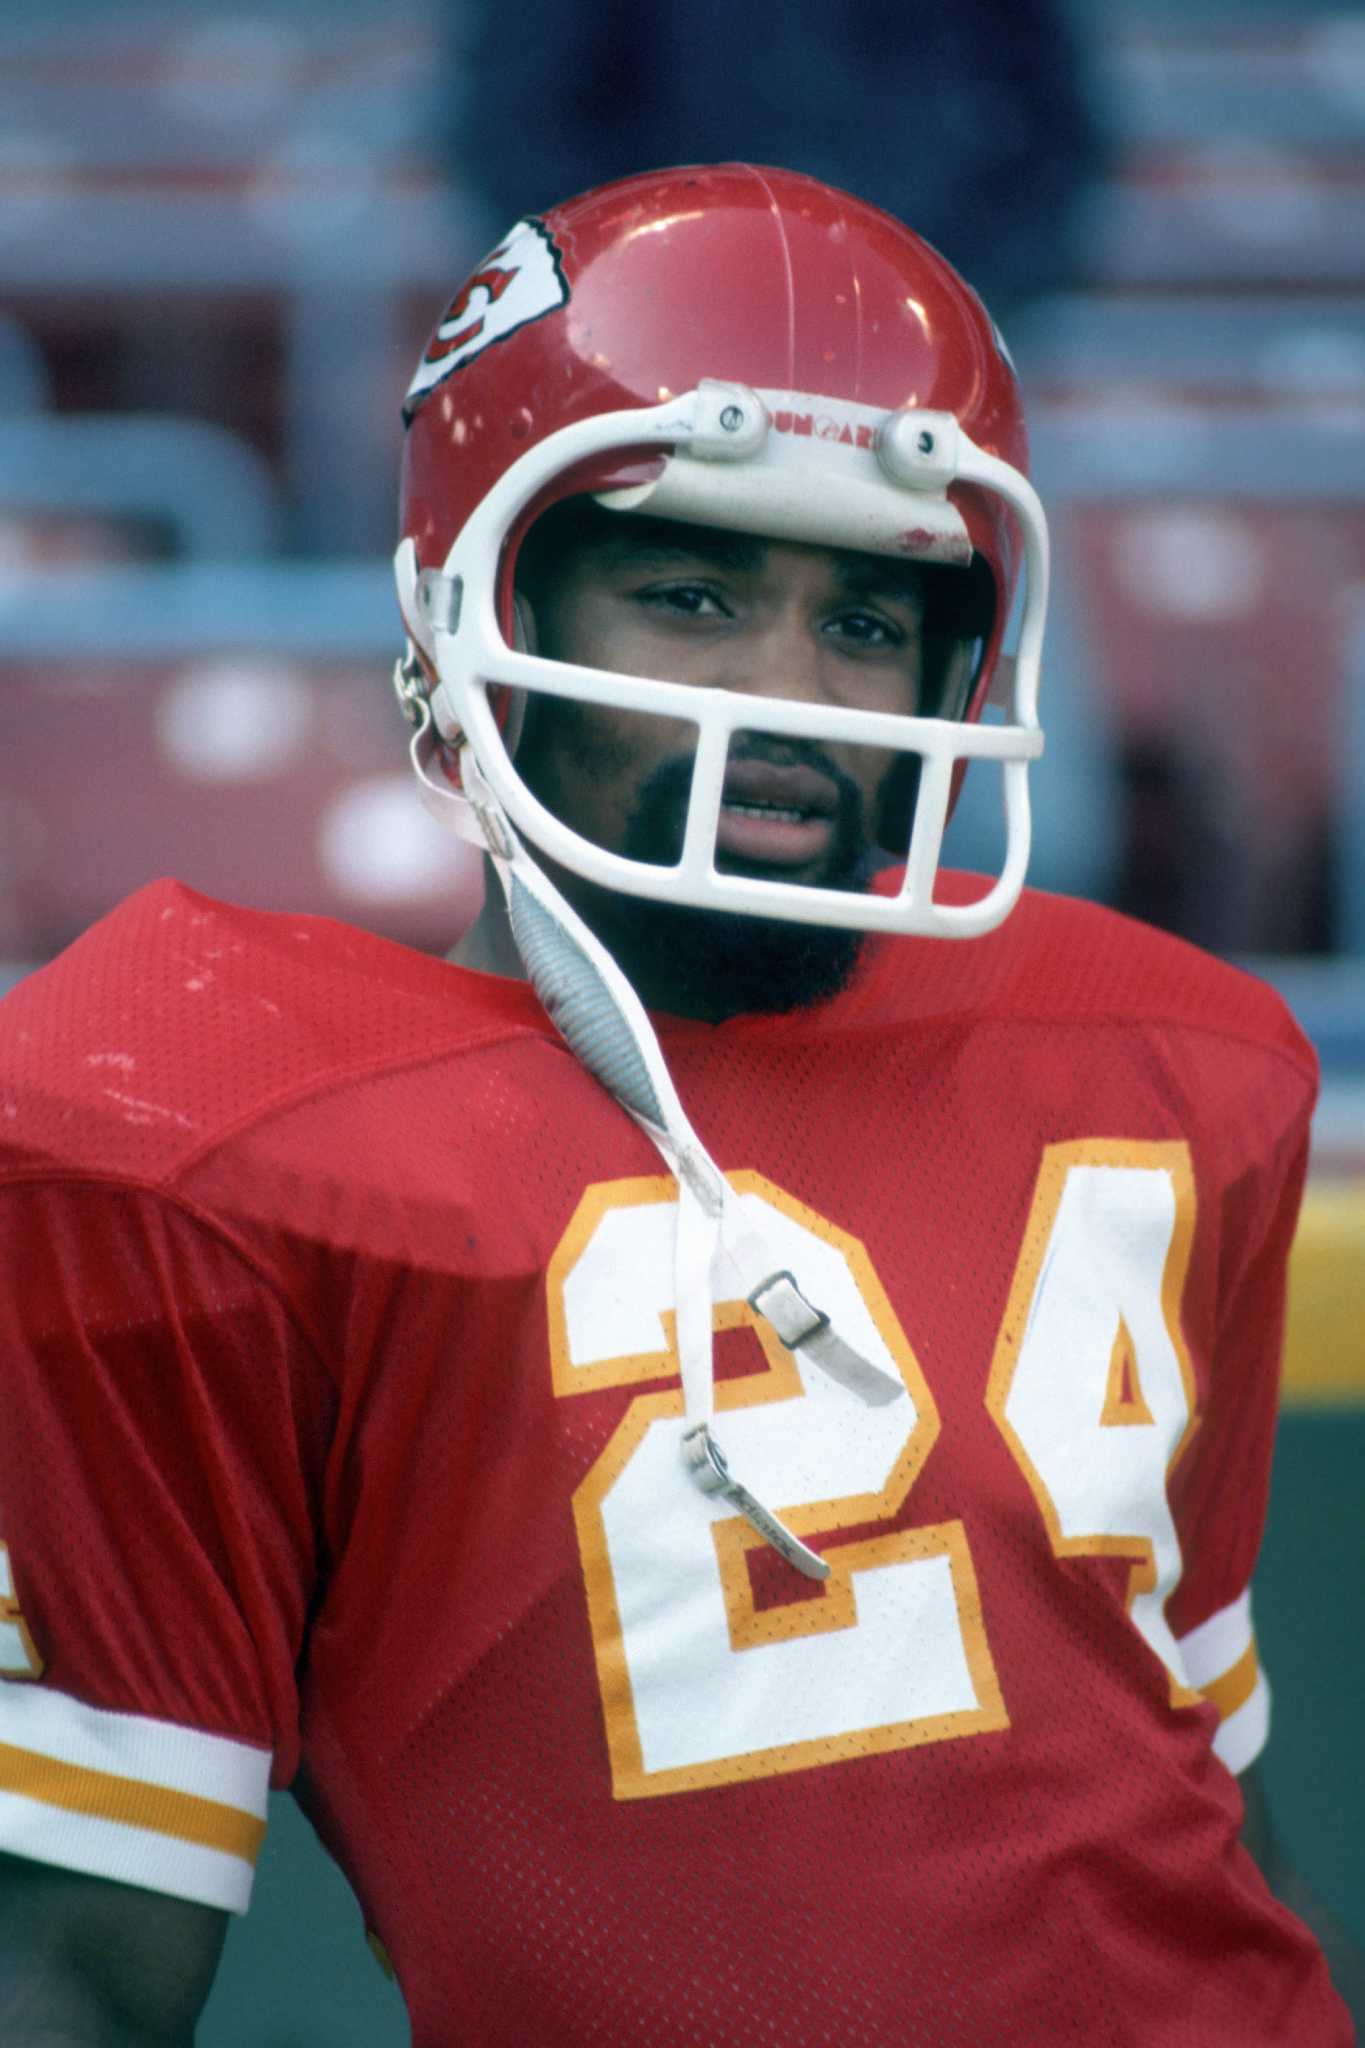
(973, 123)
(970, 122)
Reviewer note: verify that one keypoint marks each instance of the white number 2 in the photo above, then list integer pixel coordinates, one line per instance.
(702, 1682)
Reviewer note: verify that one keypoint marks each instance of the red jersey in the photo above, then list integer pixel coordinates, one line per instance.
(341, 1450)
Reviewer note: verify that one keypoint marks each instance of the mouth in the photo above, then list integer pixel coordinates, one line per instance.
(776, 815)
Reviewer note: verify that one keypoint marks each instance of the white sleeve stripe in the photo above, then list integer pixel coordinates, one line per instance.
(216, 1768)
(1212, 1649)
(101, 1847)
(1242, 1736)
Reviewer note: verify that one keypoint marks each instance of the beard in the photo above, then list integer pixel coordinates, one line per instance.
(711, 964)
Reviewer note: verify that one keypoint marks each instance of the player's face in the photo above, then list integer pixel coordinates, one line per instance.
(731, 612)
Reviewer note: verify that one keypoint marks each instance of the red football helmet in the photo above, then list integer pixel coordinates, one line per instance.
(740, 348)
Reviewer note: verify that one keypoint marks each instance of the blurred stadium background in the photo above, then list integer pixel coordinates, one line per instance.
(225, 230)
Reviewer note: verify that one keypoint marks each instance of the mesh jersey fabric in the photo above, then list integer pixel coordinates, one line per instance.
(336, 1348)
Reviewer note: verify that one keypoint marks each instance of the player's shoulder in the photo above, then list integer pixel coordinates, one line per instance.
(1102, 963)
(177, 1018)
(1066, 959)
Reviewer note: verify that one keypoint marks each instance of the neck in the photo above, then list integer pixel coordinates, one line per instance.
(488, 945)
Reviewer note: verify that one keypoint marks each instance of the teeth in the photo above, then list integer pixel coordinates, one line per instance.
(774, 811)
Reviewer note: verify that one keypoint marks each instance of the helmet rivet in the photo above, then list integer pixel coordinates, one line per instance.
(925, 443)
(732, 419)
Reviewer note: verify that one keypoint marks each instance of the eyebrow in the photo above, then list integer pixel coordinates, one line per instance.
(668, 540)
(880, 572)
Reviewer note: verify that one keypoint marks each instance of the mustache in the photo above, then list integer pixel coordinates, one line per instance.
(782, 750)
(657, 823)
(658, 820)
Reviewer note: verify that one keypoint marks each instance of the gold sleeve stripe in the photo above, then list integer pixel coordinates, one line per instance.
(1236, 1686)
(1239, 1740)
(102, 1796)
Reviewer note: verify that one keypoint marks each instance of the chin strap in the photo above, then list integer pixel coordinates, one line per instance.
(604, 1023)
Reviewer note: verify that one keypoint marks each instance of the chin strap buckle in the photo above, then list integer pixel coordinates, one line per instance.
(807, 1330)
(709, 1470)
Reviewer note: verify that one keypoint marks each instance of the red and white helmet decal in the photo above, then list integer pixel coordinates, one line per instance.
(519, 281)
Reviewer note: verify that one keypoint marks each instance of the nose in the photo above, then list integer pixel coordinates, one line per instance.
(782, 658)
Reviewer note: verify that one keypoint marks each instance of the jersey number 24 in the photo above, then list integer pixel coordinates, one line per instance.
(1090, 1386)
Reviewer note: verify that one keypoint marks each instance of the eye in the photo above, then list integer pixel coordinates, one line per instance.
(863, 626)
(683, 599)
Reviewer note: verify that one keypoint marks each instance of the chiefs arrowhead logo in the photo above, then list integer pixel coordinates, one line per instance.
(520, 281)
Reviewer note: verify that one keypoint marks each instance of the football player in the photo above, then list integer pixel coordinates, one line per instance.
(718, 1439)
